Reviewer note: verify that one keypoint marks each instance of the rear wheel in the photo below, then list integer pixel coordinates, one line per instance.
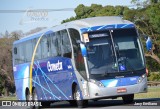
(28, 96)
(128, 98)
(35, 99)
(77, 97)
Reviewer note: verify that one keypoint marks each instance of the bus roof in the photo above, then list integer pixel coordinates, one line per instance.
(96, 21)
(79, 24)
(35, 35)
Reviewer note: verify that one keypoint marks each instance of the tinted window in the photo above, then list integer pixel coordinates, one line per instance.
(54, 45)
(45, 44)
(66, 46)
(58, 36)
(79, 60)
(38, 54)
(28, 51)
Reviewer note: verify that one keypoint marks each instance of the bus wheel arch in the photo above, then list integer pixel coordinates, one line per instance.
(74, 85)
(77, 97)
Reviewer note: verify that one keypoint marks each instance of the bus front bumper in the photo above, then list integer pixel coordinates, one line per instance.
(96, 92)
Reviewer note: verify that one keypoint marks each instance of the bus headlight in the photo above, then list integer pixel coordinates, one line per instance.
(98, 83)
(140, 79)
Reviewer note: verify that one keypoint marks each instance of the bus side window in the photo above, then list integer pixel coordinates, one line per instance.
(59, 43)
(28, 50)
(66, 45)
(54, 45)
(45, 44)
(15, 50)
(38, 54)
(21, 54)
(15, 55)
(79, 60)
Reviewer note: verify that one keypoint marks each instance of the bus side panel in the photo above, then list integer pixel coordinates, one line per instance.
(53, 78)
(21, 77)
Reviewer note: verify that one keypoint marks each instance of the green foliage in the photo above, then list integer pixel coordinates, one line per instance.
(154, 76)
(146, 19)
(152, 65)
(96, 10)
(1, 86)
(153, 13)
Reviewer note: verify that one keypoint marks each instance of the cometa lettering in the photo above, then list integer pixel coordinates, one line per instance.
(54, 66)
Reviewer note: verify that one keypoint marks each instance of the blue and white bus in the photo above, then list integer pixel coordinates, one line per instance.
(88, 59)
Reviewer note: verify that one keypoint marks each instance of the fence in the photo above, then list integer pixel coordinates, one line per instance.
(153, 83)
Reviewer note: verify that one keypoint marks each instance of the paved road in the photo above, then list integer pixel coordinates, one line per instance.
(106, 104)
(115, 104)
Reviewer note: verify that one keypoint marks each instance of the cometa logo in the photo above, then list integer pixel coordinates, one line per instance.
(54, 66)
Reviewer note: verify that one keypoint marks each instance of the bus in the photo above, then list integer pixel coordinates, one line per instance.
(87, 59)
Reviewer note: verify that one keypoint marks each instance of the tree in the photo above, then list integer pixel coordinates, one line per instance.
(35, 30)
(17, 34)
(6, 34)
(6, 73)
(146, 17)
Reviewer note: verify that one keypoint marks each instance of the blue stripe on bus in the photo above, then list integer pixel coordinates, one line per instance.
(106, 27)
(120, 81)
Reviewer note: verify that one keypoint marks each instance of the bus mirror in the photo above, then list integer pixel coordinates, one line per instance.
(83, 49)
(148, 43)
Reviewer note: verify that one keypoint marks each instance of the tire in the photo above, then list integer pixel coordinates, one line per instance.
(35, 99)
(128, 98)
(80, 103)
(28, 96)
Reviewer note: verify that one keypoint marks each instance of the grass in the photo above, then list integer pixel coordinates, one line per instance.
(153, 92)
(8, 98)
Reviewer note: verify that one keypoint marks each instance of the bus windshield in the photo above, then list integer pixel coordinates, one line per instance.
(114, 51)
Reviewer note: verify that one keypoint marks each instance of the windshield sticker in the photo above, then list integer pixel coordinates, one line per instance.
(85, 36)
(122, 67)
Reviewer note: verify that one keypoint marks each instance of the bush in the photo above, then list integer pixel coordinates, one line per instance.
(155, 76)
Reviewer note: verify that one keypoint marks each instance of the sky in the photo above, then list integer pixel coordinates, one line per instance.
(26, 20)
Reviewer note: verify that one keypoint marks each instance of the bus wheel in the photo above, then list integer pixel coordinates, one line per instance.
(28, 96)
(34, 95)
(35, 99)
(77, 97)
(128, 98)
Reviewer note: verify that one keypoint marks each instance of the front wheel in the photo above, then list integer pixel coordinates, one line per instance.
(128, 98)
(77, 97)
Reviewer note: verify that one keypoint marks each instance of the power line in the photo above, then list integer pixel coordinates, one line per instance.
(48, 10)
(36, 10)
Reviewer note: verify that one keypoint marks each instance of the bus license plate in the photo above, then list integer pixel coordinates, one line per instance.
(121, 90)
